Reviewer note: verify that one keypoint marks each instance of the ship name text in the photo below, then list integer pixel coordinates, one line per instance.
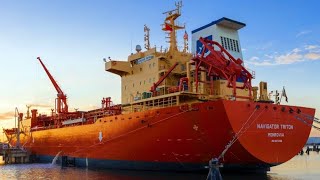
(275, 126)
(144, 59)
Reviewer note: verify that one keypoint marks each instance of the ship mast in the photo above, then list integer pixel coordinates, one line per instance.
(146, 37)
(170, 26)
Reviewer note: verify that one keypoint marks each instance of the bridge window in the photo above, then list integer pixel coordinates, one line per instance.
(237, 46)
(221, 38)
(231, 44)
(228, 42)
(225, 42)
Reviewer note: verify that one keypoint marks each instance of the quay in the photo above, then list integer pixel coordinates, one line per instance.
(13, 155)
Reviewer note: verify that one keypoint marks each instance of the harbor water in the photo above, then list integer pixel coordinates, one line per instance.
(300, 167)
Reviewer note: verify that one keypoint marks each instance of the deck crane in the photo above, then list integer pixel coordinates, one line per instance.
(61, 101)
(155, 85)
(218, 62)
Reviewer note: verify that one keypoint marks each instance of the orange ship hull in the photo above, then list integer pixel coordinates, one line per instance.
(184, 136)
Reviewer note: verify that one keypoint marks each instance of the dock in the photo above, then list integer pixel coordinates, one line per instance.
(13, 155)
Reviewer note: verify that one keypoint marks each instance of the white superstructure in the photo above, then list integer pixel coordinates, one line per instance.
(224, 31)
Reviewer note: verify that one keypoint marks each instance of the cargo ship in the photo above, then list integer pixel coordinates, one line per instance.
(178, 110)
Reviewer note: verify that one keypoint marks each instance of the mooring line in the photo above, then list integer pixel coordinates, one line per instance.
(240, 132)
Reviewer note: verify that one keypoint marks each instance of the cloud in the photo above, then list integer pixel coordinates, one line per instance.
(310, 47)
(254, 58)
(296, 55)
(312, 56)
(303, 33)
(261, 63)
(268, 56)
(7, 115)
(11, 114)
(313, 48)
(296, 50)
(289, 58)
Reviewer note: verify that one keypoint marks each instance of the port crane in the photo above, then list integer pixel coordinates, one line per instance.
(61, 102)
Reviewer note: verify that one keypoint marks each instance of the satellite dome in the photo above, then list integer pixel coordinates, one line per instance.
(138, 48)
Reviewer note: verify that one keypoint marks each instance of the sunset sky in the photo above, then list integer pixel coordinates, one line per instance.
(281, 43)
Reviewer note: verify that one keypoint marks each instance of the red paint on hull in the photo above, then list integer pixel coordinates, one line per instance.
(176, 135)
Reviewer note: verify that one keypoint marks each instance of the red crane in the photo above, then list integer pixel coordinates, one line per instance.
(218, 62)
(61, 101)
(155, 85)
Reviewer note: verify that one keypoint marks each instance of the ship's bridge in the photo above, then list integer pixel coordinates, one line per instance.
(118, 67)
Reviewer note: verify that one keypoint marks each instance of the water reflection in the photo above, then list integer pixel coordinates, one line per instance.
(300, 167)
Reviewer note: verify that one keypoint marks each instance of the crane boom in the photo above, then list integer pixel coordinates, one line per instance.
(155, 85)
(50, 77)
(62, 105)
(220, 63)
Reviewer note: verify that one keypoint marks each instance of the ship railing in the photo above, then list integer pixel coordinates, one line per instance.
(252, 72)
(154, 103)
(92, 118)
(45, 127)
(163, 50)
(36, 128)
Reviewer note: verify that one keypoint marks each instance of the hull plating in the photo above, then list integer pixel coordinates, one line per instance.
(183, 136)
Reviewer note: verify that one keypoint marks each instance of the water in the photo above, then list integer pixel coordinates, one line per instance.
(55, 158)
(300, 167)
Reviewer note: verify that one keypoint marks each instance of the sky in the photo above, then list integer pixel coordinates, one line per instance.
(280, 42)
